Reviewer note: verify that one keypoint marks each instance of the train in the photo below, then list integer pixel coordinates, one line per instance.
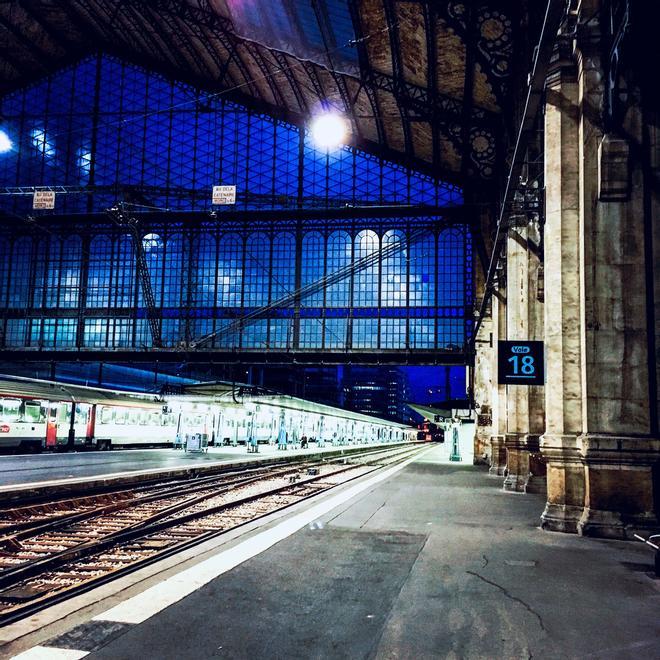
(430, 432)
(38, 415)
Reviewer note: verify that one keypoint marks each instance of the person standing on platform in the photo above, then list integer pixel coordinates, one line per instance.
(281, 438)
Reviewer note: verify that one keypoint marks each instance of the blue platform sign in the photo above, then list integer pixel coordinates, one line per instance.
(520, 363)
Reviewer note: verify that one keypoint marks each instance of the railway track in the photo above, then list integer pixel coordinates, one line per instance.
(50, 554)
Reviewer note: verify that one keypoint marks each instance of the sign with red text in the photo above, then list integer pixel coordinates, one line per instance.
(43, 199)
(224, 195)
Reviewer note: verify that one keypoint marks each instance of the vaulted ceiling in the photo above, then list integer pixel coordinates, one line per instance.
(429, 83)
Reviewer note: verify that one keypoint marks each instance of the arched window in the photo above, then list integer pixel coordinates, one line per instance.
(451, 268)
(313, 254)
(284, 266)
(122, 292)
(365, 286)
(44, 251)
(421, 287)
(65, 276)
(257, 270)
(339, 253)
(19, 277)
(99, 277)
(176, 256)
(204, 270)
(5, 266)
(230, 271)
(393, 270)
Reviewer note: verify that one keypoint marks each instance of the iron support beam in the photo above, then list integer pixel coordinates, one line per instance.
(555, 12)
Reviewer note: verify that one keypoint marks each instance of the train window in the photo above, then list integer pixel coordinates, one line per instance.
(120, 416)
(154, 419)
(64, 413)
(81, 413)
(106, 415)
(10, 410)
(133, 416)
(143, 416)
(33, 412)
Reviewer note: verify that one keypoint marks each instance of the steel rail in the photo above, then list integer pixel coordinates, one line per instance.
(40, 601)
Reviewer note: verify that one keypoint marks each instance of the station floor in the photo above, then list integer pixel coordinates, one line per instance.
(30, 469)
(434, 561)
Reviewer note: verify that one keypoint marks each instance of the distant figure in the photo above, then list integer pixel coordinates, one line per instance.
(253, 445)
(303, 442)
(281, 438)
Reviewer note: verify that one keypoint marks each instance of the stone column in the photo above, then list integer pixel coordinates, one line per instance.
(536, 477)
(563, 389)
(618, 445)
(497, 448)
(524, 410)
(483, 386)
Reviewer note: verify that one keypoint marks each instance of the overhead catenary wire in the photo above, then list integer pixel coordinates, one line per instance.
(554, 13)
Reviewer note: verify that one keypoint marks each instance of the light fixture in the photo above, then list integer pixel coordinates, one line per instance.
(328, 130)
(5, 142)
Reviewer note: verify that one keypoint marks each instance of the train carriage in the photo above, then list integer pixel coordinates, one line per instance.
(38, 414)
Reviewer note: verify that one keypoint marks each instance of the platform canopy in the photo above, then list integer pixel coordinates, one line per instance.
(427, 83)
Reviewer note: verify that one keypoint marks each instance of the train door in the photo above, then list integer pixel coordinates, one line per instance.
(91, 421)
(80, 421)
(51, 425)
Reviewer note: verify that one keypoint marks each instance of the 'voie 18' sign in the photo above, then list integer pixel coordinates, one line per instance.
(520, 363)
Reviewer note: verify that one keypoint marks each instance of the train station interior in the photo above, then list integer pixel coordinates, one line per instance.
(328, 329)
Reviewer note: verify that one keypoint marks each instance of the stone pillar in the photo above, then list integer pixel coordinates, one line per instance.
(525, 419)
(483, 386)
(497, 448)
(536, 477)
(618, 445)
(563, 389)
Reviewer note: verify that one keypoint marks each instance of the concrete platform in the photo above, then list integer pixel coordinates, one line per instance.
(435, 561)
(27, 475)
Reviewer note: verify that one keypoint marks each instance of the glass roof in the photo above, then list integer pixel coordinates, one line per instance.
(315, 30)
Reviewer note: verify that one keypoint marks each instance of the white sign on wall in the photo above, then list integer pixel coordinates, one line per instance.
(43, 199)
(224, 195)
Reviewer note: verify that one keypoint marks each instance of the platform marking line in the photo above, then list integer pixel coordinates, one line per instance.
(50, 653)
(143, 606)
(239, 460)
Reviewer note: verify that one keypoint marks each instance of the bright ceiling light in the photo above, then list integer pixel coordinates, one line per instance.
(5, 142)
(329, 130)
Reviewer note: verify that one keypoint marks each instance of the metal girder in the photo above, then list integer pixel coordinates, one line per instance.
(363, 59)
(263, 67)
(132, 225)
(455, 214)
(158, 19)
(431, 72)
(397, 70)
(330, 46)
(468, 88)
(271, 357)
(310, 71)
(192, 17)
(7, 54)
(285, 69)
(29, 46)
(54, 34)
(556, 10)
(82, 23)
(163, 43)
